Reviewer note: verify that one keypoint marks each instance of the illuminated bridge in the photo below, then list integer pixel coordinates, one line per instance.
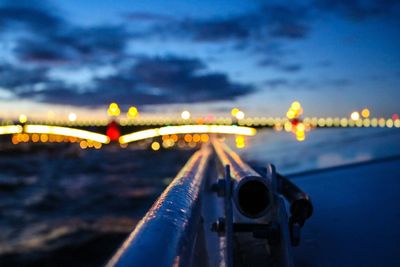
(181, 131)
(99, 133)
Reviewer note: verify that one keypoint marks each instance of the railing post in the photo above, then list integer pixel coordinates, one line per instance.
(260, 211)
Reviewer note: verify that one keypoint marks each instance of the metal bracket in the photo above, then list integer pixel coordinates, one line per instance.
(224, 226)
(269, 231)
(295, 232)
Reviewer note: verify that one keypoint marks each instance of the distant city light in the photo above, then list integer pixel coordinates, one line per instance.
(187, 129)
(132, 112)
(240, 142)
(355, 116)
(294, 111)
(22, 118)
(234, 111)
(65, 131)
(240, 115)
(113, 131)
(296, 105)
(10, 129)
(365, 113)
(397, 123)
(389, 123)
(300, 127)
(290, 114)
(113, 110)
(300, 138)
(204, 138)
(72, 116)
(83, 144)
(155, 146)
(185, 115)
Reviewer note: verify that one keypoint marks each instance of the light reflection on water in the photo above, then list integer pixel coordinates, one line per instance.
(52, 199)
(322, 147)
(62, 205)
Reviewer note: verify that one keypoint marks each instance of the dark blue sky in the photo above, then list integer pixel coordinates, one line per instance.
(207, 56)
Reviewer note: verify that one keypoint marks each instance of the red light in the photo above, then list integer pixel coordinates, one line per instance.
(113, 131)
(395, 117)
(295, 122)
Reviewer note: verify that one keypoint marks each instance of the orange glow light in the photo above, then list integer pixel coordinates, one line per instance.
(365, 113)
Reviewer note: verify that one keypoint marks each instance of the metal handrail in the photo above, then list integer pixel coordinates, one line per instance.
(252, 192)
(166, 235)
(300, 204)
(238, 167)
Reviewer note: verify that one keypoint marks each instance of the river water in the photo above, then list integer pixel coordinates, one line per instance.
(63, 206)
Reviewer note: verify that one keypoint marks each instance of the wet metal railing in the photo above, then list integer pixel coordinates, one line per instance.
(252, 192)
(260, 211)
(168, 233)
(190, 225)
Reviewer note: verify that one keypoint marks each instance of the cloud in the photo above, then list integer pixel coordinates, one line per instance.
(360, 9)
(261, 32)
(48, 38)
(20, 80)
(35, 17)
(338, 82)
(215, 30)
(74, 44)
(279, 64)
(287, 21)
(49, 42)
(307, 83)
(151, 80)
(291, 67)
(147, 17)
(276, 83)
(273, 21)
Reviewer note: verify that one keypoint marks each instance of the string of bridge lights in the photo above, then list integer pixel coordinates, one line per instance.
(187, 126)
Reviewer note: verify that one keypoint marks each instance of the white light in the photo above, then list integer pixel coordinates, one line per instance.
(10, 129)
(72, 117)
(355, 116)
(22, 118)
(185, 129)
(240, 115)
(140, 135)
(65, 131)
(185, 115)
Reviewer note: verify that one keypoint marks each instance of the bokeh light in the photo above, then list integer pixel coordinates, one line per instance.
(113, 110)
(185, 115)
(365, 113)
(155, 146)
(72, 116)
(132, 112)
(355, 115)
(234, 111)
(22, 118)
(240, 115)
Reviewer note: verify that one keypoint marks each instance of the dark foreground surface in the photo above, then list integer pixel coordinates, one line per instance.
(356, 217)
